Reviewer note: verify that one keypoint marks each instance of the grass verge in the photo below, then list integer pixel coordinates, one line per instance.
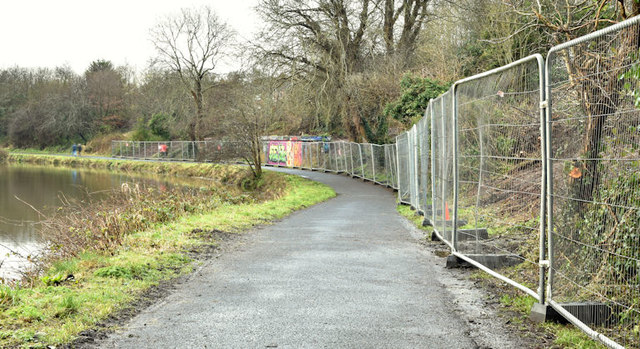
(76, 293)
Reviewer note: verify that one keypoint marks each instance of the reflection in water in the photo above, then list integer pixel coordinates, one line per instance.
(26, 190)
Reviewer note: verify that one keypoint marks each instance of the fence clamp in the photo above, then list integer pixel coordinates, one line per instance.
(545, 263)
(544, 104)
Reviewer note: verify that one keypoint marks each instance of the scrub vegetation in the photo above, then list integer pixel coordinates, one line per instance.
(103, 258)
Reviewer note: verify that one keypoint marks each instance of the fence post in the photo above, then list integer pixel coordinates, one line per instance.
(443, 185)
(454, 107)
(416, 188)
(433, 167)
(386, 162)
(544, 107)
(361, 162)
(398, 171)
(549, 181)
(351, 157)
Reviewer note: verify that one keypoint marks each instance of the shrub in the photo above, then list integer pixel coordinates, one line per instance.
(4, 155)
(416, 93)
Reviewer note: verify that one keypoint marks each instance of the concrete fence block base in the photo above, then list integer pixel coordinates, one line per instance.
(492, 261)
(449, 223)
(590, 313)
(472, 234)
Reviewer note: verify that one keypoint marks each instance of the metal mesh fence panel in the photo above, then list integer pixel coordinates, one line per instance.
(500, 172)
(367, 161)
(201, 151)
(343, 157)
(437, 151)
(413, 167)
(324, 162)
(402, 147)
(594, 159)
(330, 157)
(442, 153)
(354, 160)
(424, 176)
(379, 162)
(392, 164)
(305, 159)
(446, 226)
(316, 156)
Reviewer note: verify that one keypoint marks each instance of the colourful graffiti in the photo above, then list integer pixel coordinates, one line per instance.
(285, 153)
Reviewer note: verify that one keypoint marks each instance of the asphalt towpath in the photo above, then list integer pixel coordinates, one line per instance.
(347, 273)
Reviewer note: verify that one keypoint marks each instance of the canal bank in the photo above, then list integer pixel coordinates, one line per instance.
(78, 292)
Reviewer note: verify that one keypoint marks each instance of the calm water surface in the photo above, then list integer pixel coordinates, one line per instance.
(44, 188)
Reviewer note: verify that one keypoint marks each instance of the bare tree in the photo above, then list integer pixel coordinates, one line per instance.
(256, 110)
(337, 35)
(319, 44)
(191, 43)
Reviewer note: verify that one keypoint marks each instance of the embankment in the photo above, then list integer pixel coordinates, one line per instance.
(132, 247)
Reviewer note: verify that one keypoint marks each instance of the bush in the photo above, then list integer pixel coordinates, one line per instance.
(416, 93)
(158, 126)
(153, 130)
(4, 156)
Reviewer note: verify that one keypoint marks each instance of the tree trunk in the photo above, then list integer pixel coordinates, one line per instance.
(598, 106)
(196, 124)
(601, 96)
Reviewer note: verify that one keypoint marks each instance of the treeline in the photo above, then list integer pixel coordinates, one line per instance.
(48, 107)
(362, 70)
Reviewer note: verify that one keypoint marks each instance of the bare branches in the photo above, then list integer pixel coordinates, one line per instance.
(191, 44)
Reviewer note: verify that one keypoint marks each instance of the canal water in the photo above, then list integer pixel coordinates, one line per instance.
(27, 188)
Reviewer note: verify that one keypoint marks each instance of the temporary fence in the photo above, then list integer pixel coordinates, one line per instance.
(201, 151)
(442, 152)
(594, 178)
(371, 162)
(537, 166)
(528, 164)
(500, 206)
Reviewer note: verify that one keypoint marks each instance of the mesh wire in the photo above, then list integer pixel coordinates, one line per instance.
(201, 151)
(402, 143)
(413, 167)
(380, 168)
(595, 159)
(500, 167)
(424, 158)
(443, 167)
(392, 164)
(367, 161)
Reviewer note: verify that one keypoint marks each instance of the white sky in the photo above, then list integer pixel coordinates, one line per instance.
(50, 33)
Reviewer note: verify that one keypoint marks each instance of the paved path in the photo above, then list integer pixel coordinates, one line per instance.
(346, 273)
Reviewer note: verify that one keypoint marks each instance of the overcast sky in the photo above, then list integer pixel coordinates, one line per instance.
(50, 33)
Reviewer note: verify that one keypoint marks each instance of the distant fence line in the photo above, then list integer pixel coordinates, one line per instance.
(534, 164)
(199, 151)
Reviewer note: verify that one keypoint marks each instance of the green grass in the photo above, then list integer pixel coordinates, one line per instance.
(518, 303)
(76, 294)
(569, 337)
(412, 215)
(48, 150)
